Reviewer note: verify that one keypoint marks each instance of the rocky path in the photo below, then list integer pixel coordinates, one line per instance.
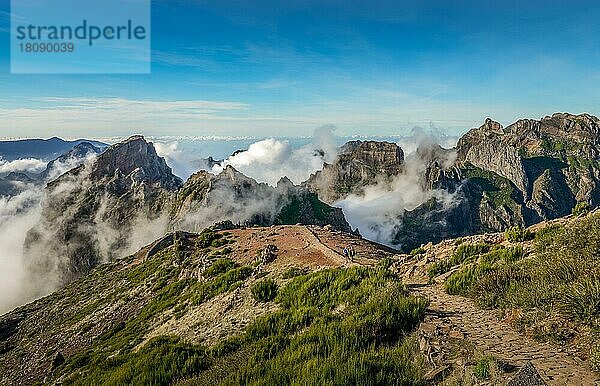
(315, 242)
(460, 318)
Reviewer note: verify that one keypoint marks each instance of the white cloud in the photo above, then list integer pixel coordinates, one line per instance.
(183, 163)
(378, 211)
(17, 215)
(147, 106)
(269, 160)
(32, 165)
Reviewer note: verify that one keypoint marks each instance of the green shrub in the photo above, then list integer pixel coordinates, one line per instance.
(294, 272)
(264, 291)
(160, 362)
(491, 289)
(594, 357)
(579, 239)
(218, 267)
(581, 209)
(581, 300)
(467, 253)
(219, 241)
(517, 234)
(417, 251)
(438, 268)
(504, 255)
(385, 263)
(206, 237)
(546, 237)
(224, 282)
(464, 253)
(483, 367)
(460, 282)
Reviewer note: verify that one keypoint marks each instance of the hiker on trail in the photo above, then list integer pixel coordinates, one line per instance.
(345, 251)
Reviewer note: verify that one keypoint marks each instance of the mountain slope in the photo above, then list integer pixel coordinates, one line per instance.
(199, 309)
(497, 177)
(523, 295)
(90, 213)
(283, 304)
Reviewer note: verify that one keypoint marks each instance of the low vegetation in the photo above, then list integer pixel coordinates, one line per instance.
(581, 209)
(464, 253)
(463, 281)
(483, 367)
(264, 291)
(518, 234)
(417, 251)
(335, 326)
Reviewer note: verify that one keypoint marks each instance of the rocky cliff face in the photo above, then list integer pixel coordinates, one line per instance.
(359, 164)
(92, 212)
(207, 198)
(530, 171)
(552, 163)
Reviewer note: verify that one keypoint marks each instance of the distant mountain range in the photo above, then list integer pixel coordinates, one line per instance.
(44, 149)
(495, 178)
(14, 183)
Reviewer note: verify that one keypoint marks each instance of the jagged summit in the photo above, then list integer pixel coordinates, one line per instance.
(583, 128)
(207, 198)
(90, 213)
(358, 165)
(521, 174)
(135, 155)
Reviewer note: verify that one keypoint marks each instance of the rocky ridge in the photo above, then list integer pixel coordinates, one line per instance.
(207, 198)
(128, 195)
(527, 172)
(89, 212)
(126, 296)
(358, 164)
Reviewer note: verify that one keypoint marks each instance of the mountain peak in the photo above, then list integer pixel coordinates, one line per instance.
(133, 154)
(359, 164)
(491, 126)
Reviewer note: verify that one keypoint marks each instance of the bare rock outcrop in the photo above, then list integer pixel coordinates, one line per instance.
(92, 212)
(359, 164)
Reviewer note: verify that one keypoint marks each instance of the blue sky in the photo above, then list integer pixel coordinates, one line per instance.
(283, 68)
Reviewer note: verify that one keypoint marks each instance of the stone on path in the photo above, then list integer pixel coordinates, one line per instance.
(527, 376)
